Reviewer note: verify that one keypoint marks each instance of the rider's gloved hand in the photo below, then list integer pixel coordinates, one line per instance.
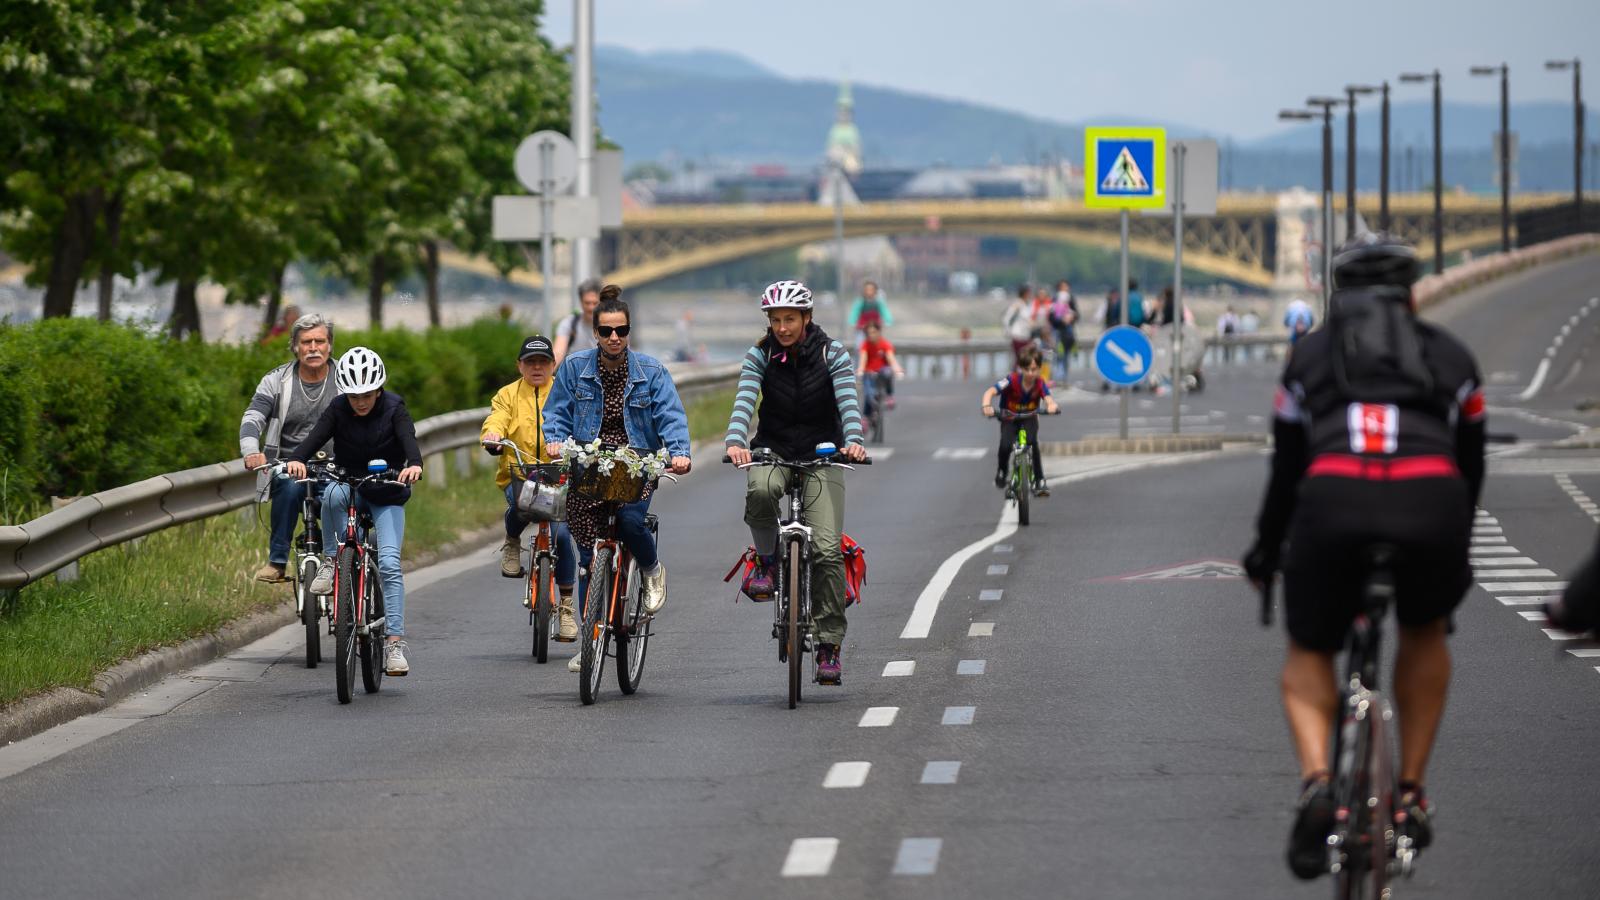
(1261, 563)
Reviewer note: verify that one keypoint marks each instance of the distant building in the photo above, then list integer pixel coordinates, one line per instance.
(844, 139)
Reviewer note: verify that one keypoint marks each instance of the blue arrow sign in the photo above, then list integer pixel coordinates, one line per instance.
(1123, 355)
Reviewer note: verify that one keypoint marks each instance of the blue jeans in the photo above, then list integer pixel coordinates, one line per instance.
(566, 550)
(287, 496)
(869, 389)
(634, 534)
(389, 523)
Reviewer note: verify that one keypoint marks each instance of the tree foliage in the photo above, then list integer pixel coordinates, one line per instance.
(222, 141)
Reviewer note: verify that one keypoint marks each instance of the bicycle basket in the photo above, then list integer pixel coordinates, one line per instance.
(540, 502)
(616, 486)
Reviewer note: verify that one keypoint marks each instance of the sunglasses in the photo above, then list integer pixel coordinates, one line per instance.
(606, 331)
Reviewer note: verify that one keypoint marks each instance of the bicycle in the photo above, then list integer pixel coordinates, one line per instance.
(1019, 479)
(613, 607)
(359, 620)
(793, 626)
(539, 589)
(309, 608)
(874, 388)
(1363, 757)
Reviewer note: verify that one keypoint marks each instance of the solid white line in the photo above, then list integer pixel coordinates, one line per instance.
(1538, 380)
(927, 606)
(878, 717)
(899, 668)
(847, 775)
(981, 629)
(810, 857)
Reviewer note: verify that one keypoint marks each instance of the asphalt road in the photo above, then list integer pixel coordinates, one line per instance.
(1065, 730)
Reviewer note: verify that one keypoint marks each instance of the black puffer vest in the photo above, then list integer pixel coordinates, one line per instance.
(798, 408)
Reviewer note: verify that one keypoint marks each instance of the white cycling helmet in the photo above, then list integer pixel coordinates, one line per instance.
(360, 370)
(786, 295)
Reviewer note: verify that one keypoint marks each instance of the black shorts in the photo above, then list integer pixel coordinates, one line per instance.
(1427, 520)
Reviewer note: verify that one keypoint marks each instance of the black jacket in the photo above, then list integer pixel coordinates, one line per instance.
(385, 433)
(798, 406)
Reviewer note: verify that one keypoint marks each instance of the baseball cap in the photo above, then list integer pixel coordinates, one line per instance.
(538, 345)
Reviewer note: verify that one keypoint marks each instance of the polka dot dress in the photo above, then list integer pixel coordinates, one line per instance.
(584, 516)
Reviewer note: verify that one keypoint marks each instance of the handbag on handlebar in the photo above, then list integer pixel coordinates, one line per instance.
(541, 502)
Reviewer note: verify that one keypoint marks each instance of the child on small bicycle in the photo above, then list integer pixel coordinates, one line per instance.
(877, 365)
(1021, 394)
(517, 414)
(807, 393)
(367, 422)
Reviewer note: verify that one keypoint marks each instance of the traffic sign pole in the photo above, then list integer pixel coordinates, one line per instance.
(1122, 402)
(1178, 151)
(547, 202)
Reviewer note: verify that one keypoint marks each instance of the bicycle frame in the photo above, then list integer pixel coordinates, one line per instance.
(790, 531)
(358, 537)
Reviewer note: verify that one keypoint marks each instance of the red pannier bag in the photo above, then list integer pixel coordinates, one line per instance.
(855, 567)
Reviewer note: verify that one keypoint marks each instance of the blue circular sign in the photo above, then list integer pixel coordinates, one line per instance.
(1123, 355)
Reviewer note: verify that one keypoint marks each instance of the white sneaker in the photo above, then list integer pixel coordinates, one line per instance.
(655, 588)
(394, 659)
(322, 585)
(575, 664)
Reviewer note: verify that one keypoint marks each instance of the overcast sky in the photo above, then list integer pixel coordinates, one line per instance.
(1227, 66)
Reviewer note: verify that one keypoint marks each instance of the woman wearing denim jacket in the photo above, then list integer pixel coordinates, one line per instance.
(620, 397)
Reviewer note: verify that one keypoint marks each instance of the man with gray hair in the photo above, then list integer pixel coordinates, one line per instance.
(286, 405)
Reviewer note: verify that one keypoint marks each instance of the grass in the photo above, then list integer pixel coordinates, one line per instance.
(708, 415)
(180, 583)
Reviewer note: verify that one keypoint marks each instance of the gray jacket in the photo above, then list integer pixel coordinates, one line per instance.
(261, 427)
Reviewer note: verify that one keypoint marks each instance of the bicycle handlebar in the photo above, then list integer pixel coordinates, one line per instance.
(764, 458)
(1009, 416)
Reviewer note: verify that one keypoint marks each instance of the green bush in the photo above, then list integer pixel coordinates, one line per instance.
(89, 405)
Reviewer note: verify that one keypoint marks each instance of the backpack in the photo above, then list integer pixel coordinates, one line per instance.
(855, 568)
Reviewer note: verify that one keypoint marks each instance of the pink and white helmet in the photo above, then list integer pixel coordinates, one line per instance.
(786, 295)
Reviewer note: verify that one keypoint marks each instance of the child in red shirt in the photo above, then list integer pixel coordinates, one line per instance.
(877, 363)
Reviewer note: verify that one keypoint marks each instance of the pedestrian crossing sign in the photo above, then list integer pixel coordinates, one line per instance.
(1125, 168)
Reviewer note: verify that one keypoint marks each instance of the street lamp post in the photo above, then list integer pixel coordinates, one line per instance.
(1561, 65)
(1438, 164)
(1325, 220)
(1351, 91)
(1504, 71)
(1383, 166)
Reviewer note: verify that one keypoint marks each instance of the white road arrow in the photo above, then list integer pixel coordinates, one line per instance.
(1132, 365)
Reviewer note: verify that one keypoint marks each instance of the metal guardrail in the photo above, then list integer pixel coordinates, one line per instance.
(991, 357)
(56, 539)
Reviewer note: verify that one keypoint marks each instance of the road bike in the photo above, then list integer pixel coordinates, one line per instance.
(359, 620)
(1020, 477)
(792, 625)
(306, 560)
(1365, 849)
(874, 391)
(540, 594)
(614, 622)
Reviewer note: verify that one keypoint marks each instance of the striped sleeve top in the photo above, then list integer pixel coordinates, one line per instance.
(754, 370)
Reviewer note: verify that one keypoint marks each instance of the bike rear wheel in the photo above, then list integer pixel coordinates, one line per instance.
(372, 641)
(309, 607)
(344, 626)
(1360, 862)
(633, 632)
(792, 621)
(542, 586)
(596, 627)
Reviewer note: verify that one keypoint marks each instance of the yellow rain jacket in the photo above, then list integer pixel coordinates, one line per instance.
(517, 414)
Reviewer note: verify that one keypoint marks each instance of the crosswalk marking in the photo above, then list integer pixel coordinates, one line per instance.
(960, 452)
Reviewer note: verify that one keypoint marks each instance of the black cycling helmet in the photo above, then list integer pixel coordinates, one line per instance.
(1375, 258)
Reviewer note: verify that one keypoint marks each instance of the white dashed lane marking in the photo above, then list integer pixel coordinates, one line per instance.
(990, 594)
(971, 666)
(1509, 561)
(958, 715)
(1492, 551)
(998, 569)
(1586, 653)
(941, 772)
(917, 856)
(810, 857)
(847, 775)
(899, 668)
(1481, 574)
(960, 452)
(981, 629)
(1530, 600)
(878, 717)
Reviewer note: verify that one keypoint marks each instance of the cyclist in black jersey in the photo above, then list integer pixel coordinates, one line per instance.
(1379, 438)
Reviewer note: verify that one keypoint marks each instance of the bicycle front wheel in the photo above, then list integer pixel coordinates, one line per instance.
(596, 626)
(792, 621)
(543, 595)
(372, 641)
(633, 632)
(1023, 484)
(344, 626)
(309, 605)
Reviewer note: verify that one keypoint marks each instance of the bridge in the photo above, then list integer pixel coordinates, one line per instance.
(1248, 241)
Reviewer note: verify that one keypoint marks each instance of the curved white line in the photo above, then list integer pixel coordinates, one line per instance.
(1538, 380)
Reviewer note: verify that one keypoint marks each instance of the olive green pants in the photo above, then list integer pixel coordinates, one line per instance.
(824, 512)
